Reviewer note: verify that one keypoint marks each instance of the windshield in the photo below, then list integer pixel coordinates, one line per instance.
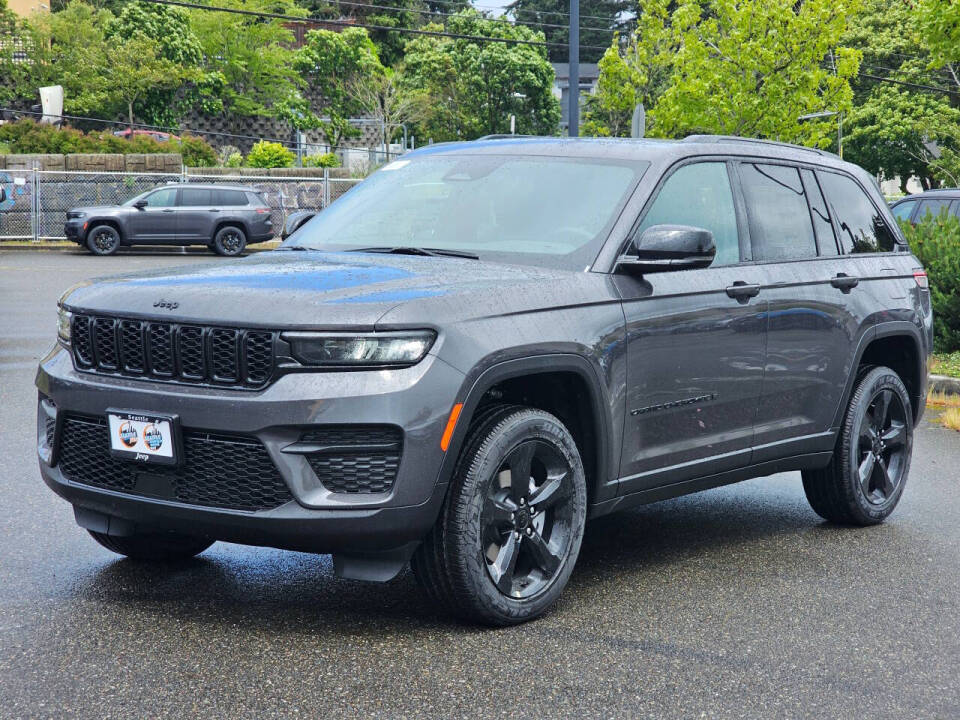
(527, 209)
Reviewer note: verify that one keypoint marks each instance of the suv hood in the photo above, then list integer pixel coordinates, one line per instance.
(95, 209)
(297, 289)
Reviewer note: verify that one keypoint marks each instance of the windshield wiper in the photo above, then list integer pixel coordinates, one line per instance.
(410, 250)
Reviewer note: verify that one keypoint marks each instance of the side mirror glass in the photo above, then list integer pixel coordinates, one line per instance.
(667, 248)
(3, 195)
(140, 204)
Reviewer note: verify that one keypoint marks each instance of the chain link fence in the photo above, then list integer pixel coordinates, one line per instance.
(38, 200)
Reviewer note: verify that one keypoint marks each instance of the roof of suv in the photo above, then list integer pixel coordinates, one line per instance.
(939, 192)
(213, 186)
(642, 149)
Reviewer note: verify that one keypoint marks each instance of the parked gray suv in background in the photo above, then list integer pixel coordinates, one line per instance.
(485, 344)
(225, 218)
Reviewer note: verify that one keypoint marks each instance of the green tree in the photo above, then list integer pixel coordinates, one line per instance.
(249, 58)
(473, 87)
(550, 15)
(384, 98)
(331, 62)
(136, 67)
(747, 67)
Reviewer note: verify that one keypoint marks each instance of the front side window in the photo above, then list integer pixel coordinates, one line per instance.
(540, 210)
(862, 228)
(162, 198)
(902, 211)
(780, 224)
(699, 195)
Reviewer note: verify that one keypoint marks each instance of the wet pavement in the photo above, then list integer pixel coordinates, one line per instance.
(737, 602)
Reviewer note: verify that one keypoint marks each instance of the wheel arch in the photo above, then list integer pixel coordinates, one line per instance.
(112, 222)
(899, 346)
(565, 385)
(230, 222)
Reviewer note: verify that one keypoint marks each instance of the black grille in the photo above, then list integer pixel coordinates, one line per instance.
(168, 351)
(356, 459)
(50, 430)
(217, 470)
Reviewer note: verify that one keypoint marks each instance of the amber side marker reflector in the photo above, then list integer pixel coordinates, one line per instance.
(451, 424)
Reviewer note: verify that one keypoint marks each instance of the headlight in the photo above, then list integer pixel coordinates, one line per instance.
(388, 348)
(63, 325)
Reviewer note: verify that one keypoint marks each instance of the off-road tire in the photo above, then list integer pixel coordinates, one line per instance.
(229, 241)
(835, 492)
(103, 240)
(450, 564)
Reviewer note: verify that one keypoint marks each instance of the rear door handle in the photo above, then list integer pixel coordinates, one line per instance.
(742, 291)
(214, 209)
(168, 210)
(845, 282)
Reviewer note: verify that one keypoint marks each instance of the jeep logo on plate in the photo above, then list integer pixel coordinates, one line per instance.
(166, 304)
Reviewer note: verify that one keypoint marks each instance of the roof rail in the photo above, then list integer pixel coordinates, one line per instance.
(505, 136)
(736, 139)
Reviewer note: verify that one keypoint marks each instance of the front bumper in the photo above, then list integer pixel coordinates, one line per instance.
(75, 230)
(417, 399)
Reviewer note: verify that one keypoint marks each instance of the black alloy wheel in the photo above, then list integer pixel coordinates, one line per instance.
(882, 448)
(527, 519)
(103, 240)
(229, 241)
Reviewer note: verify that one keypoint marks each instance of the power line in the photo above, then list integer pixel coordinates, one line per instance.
(918, 86)
(508, 8)
(347, 23)
(502, 20)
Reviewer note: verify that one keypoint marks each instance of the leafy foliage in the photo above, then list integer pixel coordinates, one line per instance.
(325, 160)
(737, 67)
(473, 88)
(269, 155)
(935, 240)
(196, 152)
(331, 62)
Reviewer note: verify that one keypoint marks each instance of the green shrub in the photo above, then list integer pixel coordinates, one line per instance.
(327, 160)
(936, 242)
(234, 160)
(197, 152)
(269, 155)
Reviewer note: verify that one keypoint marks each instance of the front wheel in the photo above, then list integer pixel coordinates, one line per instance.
(865, 478)
(511, 527)
(103, 240)
(229, 241)
(156, 547)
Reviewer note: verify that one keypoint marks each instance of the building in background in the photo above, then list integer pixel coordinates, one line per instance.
(25, 8)
(589, 74)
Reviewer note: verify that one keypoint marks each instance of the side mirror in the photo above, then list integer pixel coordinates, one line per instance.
(3, 195)
(666, 248)
(140, 204)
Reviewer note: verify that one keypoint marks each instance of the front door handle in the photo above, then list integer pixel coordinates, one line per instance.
(845, 282)
(168, 210)
(214, 209)
(743, 291)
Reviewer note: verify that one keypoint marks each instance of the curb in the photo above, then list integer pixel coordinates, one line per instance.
(944, 384)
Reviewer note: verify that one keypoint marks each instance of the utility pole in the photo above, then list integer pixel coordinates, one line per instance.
(573, 127)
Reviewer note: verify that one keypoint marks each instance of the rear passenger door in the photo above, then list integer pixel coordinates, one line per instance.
(695, 343)
(197, 215)
(809, 324)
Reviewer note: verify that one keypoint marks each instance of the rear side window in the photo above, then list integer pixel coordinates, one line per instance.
(902, 211)
(229, 197)
(780, 224)
(195, 197)
(933, 206)
(862, 229)
(699, 195)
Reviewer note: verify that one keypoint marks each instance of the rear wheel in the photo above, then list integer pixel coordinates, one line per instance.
(510, 531)
(103, 240)
(865, 478)
(229, 241)
(156, 547)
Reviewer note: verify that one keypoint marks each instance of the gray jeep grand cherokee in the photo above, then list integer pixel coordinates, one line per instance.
(487, 343)
(225, 218)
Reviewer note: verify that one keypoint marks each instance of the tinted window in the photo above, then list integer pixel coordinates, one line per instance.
(780, 225)
(933, 206)
(229, 197)
(194, 197)
(862, 229)
(699, 195)
(822, 227)
(902, 211)
(162, 198)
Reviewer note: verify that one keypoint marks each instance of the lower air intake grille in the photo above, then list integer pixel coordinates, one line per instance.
(356, 459)
(221, 471)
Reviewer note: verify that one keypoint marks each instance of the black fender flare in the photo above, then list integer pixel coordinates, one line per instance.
(116, 224)
(223, 222)
(890, 328)
(474, 387)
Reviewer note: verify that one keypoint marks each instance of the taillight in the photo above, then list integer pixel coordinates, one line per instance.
(921, 278)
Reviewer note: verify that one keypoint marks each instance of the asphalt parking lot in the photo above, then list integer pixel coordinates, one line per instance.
(737, 602)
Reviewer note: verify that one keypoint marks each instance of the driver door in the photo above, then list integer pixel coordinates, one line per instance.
(695, 343)
(157, 221)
